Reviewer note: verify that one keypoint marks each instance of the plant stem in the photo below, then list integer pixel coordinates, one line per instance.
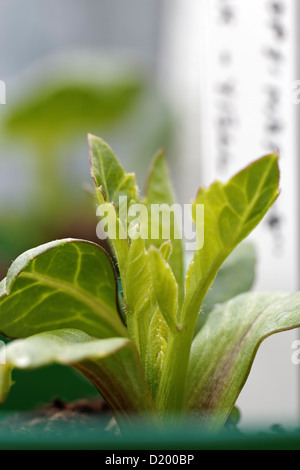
(170, 396)
(171, 389)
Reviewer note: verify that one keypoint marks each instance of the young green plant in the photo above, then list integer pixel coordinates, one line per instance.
(155, 339)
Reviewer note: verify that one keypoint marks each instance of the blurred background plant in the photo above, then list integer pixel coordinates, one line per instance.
(47, 123)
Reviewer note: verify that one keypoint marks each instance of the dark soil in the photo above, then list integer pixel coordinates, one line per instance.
(76, 417)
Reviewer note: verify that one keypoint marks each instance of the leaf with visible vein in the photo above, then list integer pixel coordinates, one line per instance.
(63, 284)
(112, 365)
(231, 212)
(224, 349)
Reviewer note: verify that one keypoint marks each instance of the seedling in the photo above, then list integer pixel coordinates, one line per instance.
(157, 340)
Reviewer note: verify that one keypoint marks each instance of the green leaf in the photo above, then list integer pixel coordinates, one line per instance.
(146, 323)
(111, 227)
(224, 349)
(138, 293)
(166, 250)
(112, 365)
(165, 286)
(108, 173)
(159, 191)
(115, 190)
(63, 284)
(231, 212)
(163, 317)
(158, 336)
(235, 276)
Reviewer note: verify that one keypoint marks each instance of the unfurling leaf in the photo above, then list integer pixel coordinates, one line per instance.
(159, 192)
(138, 292)
(165, 286)
(108, 173)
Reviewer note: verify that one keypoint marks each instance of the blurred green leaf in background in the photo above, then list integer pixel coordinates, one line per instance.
(43, 131)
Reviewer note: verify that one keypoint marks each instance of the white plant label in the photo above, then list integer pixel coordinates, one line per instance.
(249, 109)
(232, 77)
